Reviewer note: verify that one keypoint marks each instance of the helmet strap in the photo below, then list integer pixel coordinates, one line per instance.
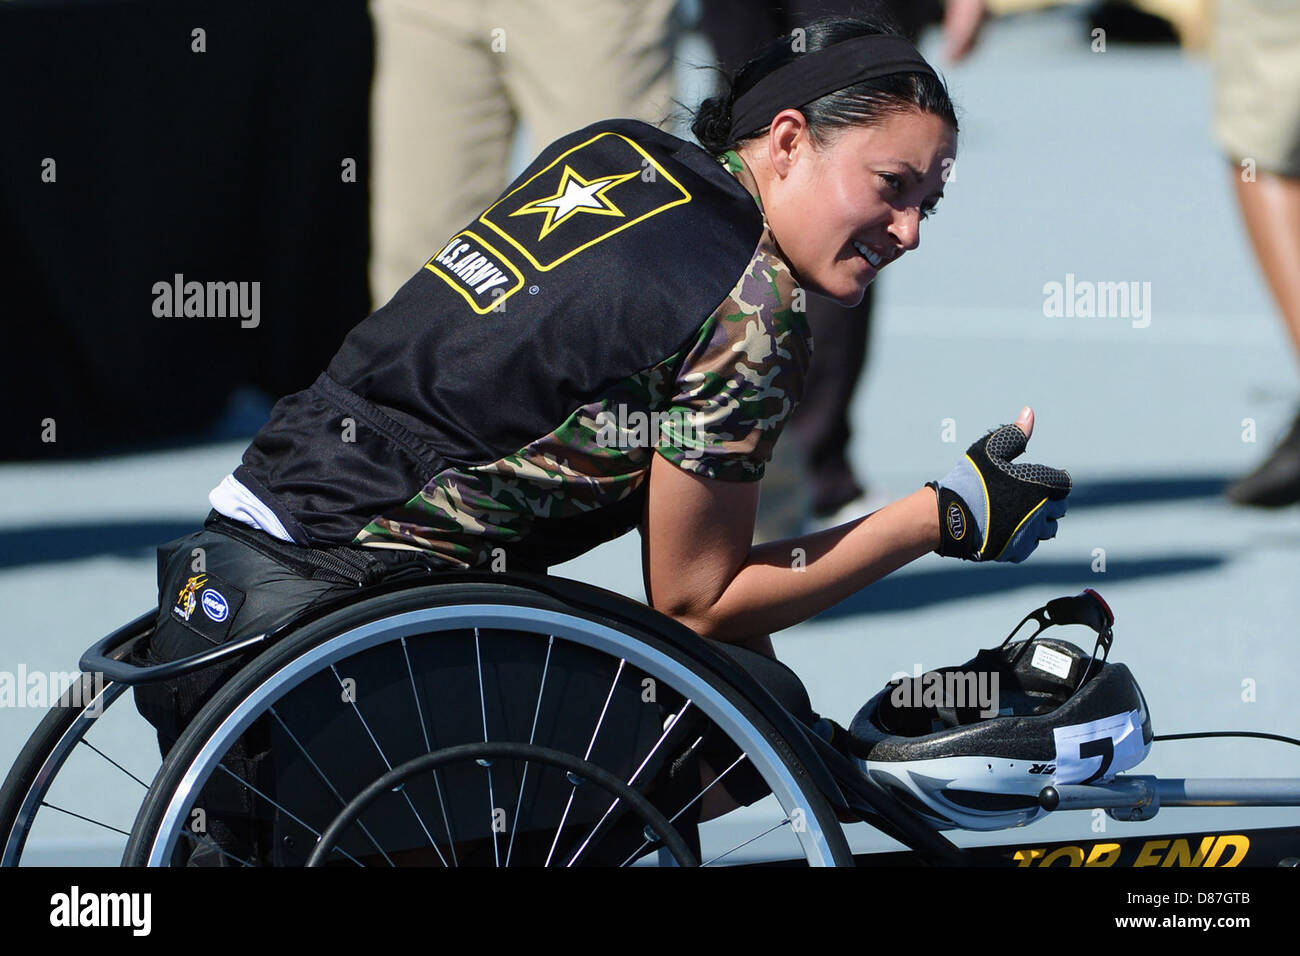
(1086, 608)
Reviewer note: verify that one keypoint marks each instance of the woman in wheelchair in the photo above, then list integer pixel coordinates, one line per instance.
(617, 342)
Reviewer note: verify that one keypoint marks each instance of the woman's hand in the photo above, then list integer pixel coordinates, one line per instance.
(701, 568)
(993, 510)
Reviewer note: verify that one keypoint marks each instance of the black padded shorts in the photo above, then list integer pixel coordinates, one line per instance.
(230, 581)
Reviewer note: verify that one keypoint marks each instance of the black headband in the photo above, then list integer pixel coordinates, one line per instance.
(813, 75)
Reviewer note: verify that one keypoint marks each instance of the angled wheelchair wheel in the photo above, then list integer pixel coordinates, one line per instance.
(81, 777)
(482, 723)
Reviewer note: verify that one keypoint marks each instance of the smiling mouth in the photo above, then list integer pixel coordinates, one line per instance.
(876, 260)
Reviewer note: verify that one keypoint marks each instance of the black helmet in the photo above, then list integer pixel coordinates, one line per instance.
(1045, 712)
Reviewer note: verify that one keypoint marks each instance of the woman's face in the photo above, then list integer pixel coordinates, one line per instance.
(844, 211)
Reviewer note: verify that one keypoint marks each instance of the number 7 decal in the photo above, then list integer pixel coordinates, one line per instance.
(1115, 741)
(1102, 747)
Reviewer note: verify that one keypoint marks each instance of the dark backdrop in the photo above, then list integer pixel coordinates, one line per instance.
(224, 165)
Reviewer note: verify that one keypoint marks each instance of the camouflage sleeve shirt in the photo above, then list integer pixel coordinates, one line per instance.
(715, 408)
(743, 376)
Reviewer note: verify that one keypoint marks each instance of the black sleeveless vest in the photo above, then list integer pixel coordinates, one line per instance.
(603, 258)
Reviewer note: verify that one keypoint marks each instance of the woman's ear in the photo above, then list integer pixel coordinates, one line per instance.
(786, 140)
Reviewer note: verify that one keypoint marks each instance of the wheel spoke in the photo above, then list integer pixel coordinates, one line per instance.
(83, 740)
(605, 709)
(357, 710)
(664, 736)
(428, 748)
(321, 773)
(572, 793)
(587, 756)
(446, 821)
(712, 783)
(747, 842)
(382, 756)
(415, 693)
(492, 811)
(668, 728)
(482, 702)
(291, 815)
(698, 796)
(98, 823)
(599, 823)
(532, 736)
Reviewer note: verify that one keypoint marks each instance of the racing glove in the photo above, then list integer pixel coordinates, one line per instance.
(993, 510)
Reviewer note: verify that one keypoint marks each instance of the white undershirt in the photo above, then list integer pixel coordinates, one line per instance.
(235, 501)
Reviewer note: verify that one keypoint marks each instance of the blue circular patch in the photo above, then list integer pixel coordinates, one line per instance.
(214, 605)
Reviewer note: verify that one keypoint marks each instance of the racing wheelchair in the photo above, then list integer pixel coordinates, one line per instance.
(507, 719)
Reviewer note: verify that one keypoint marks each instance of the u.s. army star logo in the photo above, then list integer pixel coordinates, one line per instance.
(585, 195)
(575, 195)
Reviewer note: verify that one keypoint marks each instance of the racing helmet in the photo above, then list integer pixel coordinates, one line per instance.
(972, 746)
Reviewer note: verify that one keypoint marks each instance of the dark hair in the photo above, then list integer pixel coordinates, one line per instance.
(863, 104)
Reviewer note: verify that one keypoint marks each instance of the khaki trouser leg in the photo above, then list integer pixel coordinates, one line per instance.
(573, 63)
(441, 131)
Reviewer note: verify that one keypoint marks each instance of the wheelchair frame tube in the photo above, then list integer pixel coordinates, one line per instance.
(1141, 791)
(97, 657)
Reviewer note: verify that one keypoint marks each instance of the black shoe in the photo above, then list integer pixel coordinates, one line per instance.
(1124, 23)
(1276, 482)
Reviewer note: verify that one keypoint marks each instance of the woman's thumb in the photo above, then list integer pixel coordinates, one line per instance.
(1026, 421)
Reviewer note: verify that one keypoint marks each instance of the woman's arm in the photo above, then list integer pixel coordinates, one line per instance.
(701, 569)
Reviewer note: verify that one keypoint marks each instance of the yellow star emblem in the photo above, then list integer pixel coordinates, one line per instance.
(575, 195)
